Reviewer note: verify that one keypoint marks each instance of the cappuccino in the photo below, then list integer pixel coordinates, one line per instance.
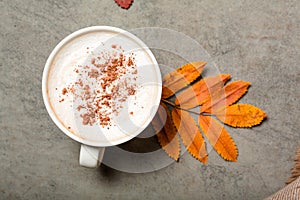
(103, 86)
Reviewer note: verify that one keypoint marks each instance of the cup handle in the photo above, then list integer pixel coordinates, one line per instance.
(90, 156)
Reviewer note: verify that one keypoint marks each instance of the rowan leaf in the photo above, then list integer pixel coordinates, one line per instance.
(219, 138)
(181, 77)
(166, 132)
(201, 91)
(190, 134)
(124, 3)
(241, 115)
(225, 97)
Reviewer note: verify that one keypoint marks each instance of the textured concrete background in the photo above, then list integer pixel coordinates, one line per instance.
(256, 41)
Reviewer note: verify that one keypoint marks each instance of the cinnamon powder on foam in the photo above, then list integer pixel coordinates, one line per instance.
(103, 86)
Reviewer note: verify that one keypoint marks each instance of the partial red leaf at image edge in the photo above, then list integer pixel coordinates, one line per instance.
(124, 3)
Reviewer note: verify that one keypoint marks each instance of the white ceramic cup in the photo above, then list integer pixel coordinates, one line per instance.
(72, 50)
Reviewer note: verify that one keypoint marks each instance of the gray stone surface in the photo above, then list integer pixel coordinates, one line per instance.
(257, 41)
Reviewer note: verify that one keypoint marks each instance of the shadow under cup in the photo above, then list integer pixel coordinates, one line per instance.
(78, 49)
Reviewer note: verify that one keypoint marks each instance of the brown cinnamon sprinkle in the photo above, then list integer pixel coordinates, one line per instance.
(64, 91)
(103, 85)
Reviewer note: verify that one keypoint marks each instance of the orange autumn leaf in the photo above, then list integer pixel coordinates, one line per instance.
(201, 91)
(241, 115)
(190, 134)
(166, 132)
(216, 100)
(219, 138)
(231, 93)
(181, 77)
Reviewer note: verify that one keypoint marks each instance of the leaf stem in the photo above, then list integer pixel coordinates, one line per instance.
(176, 106)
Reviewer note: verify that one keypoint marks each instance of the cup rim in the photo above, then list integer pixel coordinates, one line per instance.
(47, 70)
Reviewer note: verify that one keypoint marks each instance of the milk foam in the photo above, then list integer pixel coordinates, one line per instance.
(142, 104)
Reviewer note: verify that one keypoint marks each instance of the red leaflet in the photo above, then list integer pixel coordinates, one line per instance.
(124, 3)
